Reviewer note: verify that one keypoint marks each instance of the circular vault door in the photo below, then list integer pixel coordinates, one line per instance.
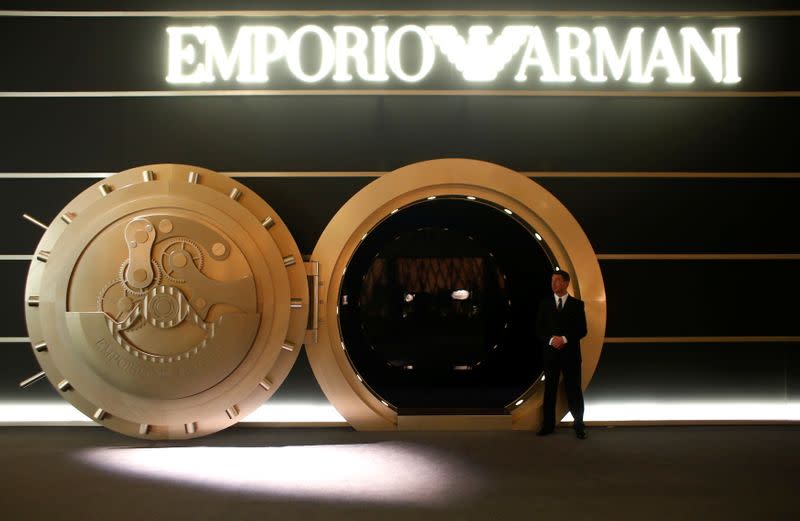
(167, 301)
(431, 278)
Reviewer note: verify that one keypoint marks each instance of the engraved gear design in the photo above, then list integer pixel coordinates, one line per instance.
(160, 306)
(182, 244)
(117, 302)
(123, 270)
(165, 307)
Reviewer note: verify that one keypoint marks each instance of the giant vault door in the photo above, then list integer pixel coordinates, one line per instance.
(431, 278)
(167, 301)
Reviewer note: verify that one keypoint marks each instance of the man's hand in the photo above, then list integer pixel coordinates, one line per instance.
(557, 342)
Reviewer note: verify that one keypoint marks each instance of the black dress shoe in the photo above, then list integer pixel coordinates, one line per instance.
(545, 431)
(581, 433)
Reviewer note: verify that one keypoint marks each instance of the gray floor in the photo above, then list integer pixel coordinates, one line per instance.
(669, 473)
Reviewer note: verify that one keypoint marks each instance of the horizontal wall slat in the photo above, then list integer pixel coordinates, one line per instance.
(689, 6)
(298, 174)
(518, 93)
(439, 13)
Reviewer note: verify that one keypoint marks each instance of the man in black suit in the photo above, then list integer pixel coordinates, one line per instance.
(560, 325)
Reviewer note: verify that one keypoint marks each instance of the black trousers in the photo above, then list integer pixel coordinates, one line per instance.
(568, 361)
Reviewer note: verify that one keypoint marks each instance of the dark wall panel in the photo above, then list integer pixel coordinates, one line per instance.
(42, 199)
(692, 372)
(618, 215)
(682, 215)
(239, 133)
(702, 298)
(384, 133)
(17, 363)
(793, 375)
(306, 205)
(633, 134)
(12, 302)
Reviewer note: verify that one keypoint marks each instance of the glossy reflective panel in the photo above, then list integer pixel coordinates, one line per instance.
(438, 304)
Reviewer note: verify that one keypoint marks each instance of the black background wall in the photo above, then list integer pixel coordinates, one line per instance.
(688, 297)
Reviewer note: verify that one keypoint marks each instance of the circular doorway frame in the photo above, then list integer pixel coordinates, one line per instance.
(343, 386)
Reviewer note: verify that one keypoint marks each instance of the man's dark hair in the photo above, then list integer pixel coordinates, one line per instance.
(563, 274)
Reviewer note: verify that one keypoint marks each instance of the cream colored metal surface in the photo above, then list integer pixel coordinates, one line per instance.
(416, 182)
(164, 304)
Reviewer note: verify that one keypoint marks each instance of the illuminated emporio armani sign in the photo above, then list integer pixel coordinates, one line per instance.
(379, 54)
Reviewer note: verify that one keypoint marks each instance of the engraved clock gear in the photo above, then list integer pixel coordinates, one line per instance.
(154, 277)
(181, 244)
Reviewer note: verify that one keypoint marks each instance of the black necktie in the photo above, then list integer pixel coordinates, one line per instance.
(559, 306)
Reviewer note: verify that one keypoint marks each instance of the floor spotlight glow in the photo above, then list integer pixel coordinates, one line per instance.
(385, 472)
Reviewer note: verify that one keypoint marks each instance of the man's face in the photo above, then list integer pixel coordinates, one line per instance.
(558, 284)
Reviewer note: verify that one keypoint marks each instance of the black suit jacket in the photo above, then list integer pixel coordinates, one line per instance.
(569, 322)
